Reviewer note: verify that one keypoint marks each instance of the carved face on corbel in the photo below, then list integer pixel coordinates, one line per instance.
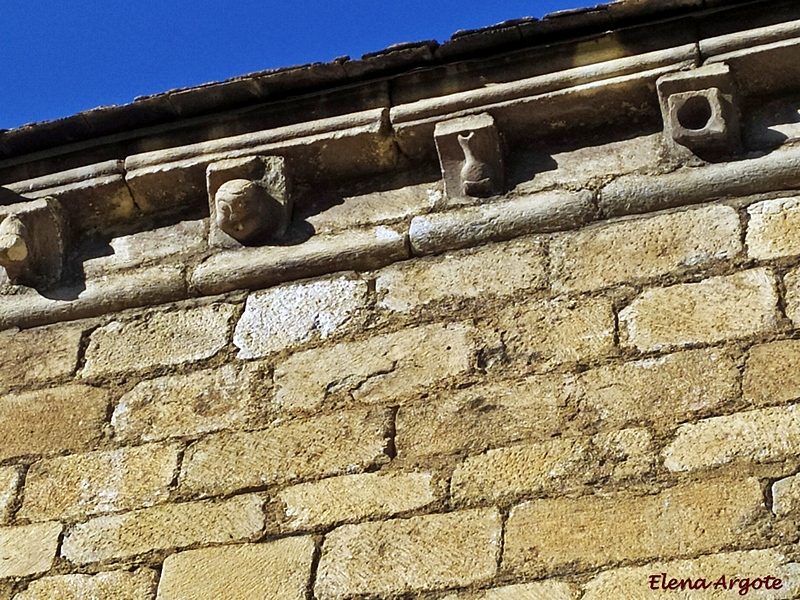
(249, 201)
(243, 209)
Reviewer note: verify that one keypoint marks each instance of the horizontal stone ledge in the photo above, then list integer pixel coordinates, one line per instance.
(132, 289)
(262, 267)
(247, 140)
(747, 39)
(769, 69)
(355, 144)
(540, 84)
(636, 194)
(95, 197)
(538, 213)
(531, 116)
(71, 176)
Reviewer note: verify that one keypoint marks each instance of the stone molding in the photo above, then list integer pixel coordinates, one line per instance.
(115, 197)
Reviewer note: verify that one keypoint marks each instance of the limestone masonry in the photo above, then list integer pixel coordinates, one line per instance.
(513, 317)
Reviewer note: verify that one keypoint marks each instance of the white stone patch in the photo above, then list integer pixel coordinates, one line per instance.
(9, 481)
(773, 228)
(289, 315)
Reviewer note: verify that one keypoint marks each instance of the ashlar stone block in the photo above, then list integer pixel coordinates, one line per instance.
(110, 585)
(278, 570)
(51, 420)
(392, 365)
(763, 435)
(409, 555)
(230, 397)
(28, 549)
(773, 230)
(346, 442)
(34, 355)
(158, 338)
(9, 482)
(88, 484)
(163, 527)
(355, 498)
(544, 536)
(714, 310)
(289, 315)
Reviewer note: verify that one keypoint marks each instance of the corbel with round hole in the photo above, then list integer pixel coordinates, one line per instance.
(701, 114)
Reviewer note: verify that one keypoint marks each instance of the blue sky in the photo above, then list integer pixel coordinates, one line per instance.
(58, 57)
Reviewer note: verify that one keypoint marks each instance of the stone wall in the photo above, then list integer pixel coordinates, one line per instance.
(539, 418)
(538, 339)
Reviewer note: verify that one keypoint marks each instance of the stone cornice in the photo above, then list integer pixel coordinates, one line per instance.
(381, 155)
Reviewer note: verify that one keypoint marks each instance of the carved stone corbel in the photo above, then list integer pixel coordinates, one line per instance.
(701, 113)
(250, 201)
(471, 157)
(33, 240)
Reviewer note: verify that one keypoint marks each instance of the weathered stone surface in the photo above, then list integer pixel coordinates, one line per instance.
(116, 585)
(278, 570)
(374, 208)
(391, 365)
(9, 482)
(350, 144)
(632, 194)
(232, 396)
(589, 164)
(546, 535)
(89, 484)
(158, 339)
(33, 242)
(144, 287)
(639, 249)
(772, 373)
(54, 420)
(772, 231)
(537, 213)
(498, 269)
(786, 496)
(346, 442)
(561, 464)
(763, 435)
(163, 527)
(658, 391)
(183, 239)
(713, 310)
(285, 316)
(484, 416)
(353, 498)
(792, 283)
(551, 332)
(407, 555)
(260, 267)
(95, 201)
(28, 549)
(545, 590)
(634, 582)
(41, 354)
